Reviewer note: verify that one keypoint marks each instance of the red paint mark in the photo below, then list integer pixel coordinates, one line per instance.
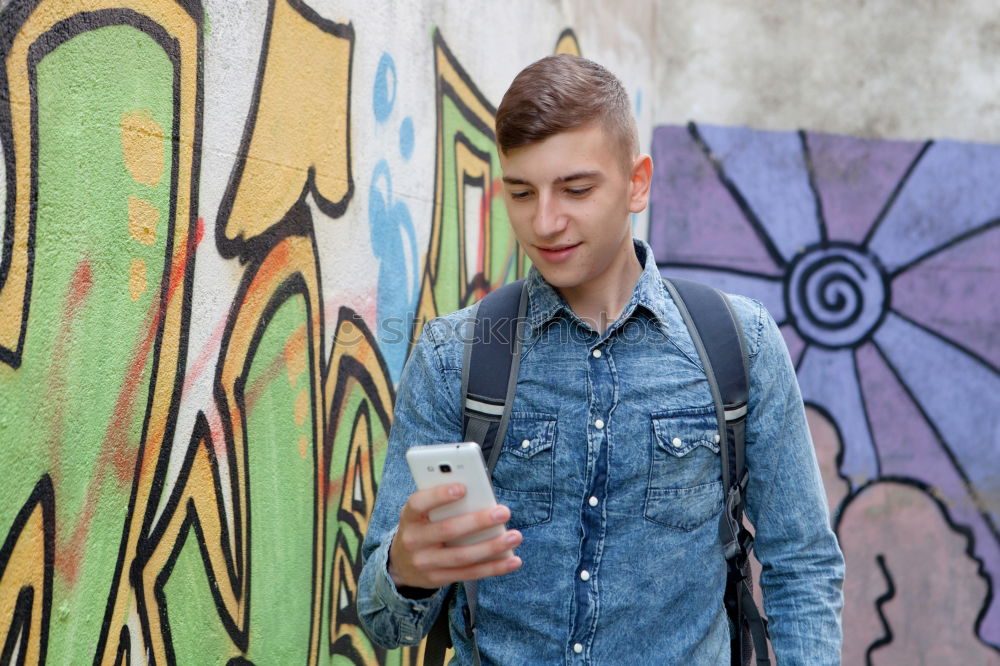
(207, 351)
(199, 231)
(114, 451)
(218, 434)
(56, 394)
(356, 465)
(253, 391)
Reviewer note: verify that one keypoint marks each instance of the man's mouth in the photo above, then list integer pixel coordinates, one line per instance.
(557, 253)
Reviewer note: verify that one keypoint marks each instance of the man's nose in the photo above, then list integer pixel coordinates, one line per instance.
(550, 219)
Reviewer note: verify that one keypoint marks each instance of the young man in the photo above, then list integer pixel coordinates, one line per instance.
(610, 471)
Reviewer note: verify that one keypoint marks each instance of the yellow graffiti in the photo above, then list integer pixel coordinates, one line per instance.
(226, 544)
(448, 244)
(482, 247)
(142, 147)
(306, 77)
(567, 44)
(24, 581)
(142, 141)
(295, 144)
(136, 279)
(360, 396)
(142, 220)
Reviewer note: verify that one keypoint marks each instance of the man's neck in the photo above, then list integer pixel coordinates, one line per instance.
(601, 302)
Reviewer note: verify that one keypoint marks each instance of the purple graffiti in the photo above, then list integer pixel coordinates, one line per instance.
(878, 259)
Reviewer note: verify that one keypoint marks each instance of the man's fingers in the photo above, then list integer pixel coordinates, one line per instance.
(423, 501)
(457, 557)
(442, 577)
(457, 527)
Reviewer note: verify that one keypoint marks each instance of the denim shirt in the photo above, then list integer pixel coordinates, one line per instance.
(612, 473)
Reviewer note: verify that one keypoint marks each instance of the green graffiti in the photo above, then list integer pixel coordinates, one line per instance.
(75, 407)
(277, 399)
(280, 461)
(499, 262)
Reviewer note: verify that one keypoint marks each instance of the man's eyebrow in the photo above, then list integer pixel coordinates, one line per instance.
(579, 175)
(576, 176)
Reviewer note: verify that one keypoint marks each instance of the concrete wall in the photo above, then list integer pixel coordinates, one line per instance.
(862, 209)
(221, 220)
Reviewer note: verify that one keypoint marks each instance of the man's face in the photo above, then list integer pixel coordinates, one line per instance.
(569, 198)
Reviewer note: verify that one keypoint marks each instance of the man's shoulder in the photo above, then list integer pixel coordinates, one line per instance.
(751, 316)
(447, 334)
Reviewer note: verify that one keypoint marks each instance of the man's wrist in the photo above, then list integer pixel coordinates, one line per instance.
(407, 591)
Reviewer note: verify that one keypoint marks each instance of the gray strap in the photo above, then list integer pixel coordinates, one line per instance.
(713, 384)
(515, 368)
(477, 429)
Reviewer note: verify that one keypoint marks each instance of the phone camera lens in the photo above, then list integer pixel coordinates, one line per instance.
(445, 468)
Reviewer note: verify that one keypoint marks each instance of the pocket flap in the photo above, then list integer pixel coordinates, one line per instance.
(530, 434)
(679, 433)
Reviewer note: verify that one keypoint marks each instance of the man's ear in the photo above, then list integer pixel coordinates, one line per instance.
(640, 180)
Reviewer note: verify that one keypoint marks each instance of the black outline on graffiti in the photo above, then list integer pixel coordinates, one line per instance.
(969, 486)
(748, 212)
(869, 338)
(350, 370)
(896, 191)
(960, 238)
(445, 89)
(883, 599)
(790, 317)
(463, 180)
(807, 159)
(245, 248)
(963, 530)
(59, 33)
(42, 495)
(200, 436)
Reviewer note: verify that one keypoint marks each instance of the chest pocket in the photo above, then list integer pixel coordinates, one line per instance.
(685, 473)
(523, 477)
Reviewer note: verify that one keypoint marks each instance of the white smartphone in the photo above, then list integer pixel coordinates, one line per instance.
(440, 464)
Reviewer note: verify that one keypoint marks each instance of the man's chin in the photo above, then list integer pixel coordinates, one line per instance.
(560, 279)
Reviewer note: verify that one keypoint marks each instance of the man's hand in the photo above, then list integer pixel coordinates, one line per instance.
(418, 556)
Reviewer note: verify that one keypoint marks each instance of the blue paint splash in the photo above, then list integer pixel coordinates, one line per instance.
(394, 243)
(384, 91)
(406, 138)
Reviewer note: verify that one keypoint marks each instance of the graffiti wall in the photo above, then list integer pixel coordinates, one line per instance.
(223, 223)
(877, 259)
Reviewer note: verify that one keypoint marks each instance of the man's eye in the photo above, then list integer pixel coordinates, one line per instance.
(580, 191)
(519, 195)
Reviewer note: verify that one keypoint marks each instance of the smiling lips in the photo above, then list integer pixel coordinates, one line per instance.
(558, 253)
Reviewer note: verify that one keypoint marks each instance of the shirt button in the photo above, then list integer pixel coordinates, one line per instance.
(584, 575)
(577, 648)
(593, 501)
(526, 443)
(717, 438)
(596, 353)
(677, 443)
(599, 424)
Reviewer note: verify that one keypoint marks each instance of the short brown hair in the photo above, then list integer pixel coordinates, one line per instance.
(564, 92)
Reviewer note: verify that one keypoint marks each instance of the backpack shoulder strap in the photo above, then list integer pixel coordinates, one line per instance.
(716, 334)
(721, 349)
(490, 364)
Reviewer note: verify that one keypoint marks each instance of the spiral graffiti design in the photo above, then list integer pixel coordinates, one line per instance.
(836, 295)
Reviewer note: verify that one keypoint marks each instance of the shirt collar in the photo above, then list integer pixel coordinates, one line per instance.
(544, 302)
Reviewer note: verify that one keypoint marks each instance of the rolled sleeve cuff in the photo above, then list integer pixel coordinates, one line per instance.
(414, 617)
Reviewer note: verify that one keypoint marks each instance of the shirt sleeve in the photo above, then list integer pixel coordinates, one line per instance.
(426, 412)
(802, 566)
